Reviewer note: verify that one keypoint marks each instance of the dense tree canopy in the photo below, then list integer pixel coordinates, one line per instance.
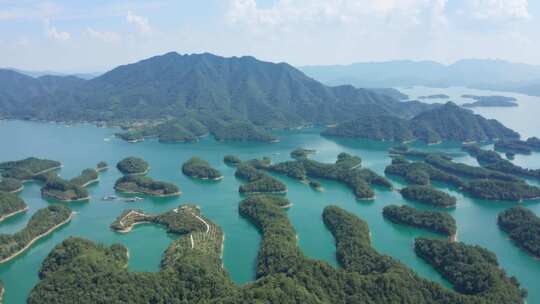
(431, 220)
(191, 271)
(523, 227)
(200, 168)
(145, 185)
(133, 165)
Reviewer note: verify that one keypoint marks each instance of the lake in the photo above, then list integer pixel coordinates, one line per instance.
(83, 146)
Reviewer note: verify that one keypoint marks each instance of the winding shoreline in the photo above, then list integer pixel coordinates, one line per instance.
(32, 241)
(6, 216)
(178, 193)
(90, 182)
(21, 188)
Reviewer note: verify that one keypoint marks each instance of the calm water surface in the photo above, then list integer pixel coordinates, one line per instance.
(83, 146)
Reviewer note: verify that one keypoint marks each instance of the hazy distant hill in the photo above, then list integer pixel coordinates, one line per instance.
(492, 74)
(203, 87)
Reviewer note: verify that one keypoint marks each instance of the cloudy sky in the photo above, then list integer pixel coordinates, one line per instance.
(76, 36)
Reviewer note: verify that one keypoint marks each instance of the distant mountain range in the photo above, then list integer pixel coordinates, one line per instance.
(482, 74)
(212, 90)
(183, 97)
(37, 74)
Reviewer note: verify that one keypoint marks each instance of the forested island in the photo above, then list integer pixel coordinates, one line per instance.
(523, 227)
(138, 184)
(442, 123)
(28, 168)
(12, 185)
(102, 166)
(62, 190)
(518, 146)
(493, 161)
(434, 221)
(200, 168)
(87, 177)
(302, 153)
(429, 196)
(43, 222)
(347, 169)
(232, 160)
(484, 183)
(184, 219)
(490, 101)
(10, 205)
(258, 180)
(133, 166)
(280, 262)
(435, 96)
(449, 259)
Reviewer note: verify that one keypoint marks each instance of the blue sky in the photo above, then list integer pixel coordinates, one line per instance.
(85, 36)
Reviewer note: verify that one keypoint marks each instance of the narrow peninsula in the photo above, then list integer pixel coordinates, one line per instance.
(42, 223)
(11, 205)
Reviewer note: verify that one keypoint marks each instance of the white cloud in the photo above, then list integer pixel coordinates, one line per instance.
(287, 12)
(500, 9)
(105, 36)
(53, 33)
(140, 22)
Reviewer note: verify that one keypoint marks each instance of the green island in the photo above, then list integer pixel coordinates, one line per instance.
(133, 165)
(467, 170)
(435, 96)
(434, 221)
(498, 186)
(518, 146)
(489, 101)
(404, 150)
(232, 160)
(421, 173)
(441, 123)
(428, 195)
(492, 160)
(316, 185)
(523, 228)
(284, 274)
(168, 131)
(191, 129)
(87, 177)
(28, 168)
(12, 185)
(42, 223)
(185, 219)
(10, 205)
(258, 180)
(138, 184)
(200, 168)
(302, 153)
(480, 277)
(59, 189)
(492, 189)
(347, 169)
(102, 166)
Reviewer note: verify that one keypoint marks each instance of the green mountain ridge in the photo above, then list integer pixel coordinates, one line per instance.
(210, 89)
(446, 122)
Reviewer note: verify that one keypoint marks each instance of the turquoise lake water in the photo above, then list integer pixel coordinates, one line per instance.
(83, 146)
